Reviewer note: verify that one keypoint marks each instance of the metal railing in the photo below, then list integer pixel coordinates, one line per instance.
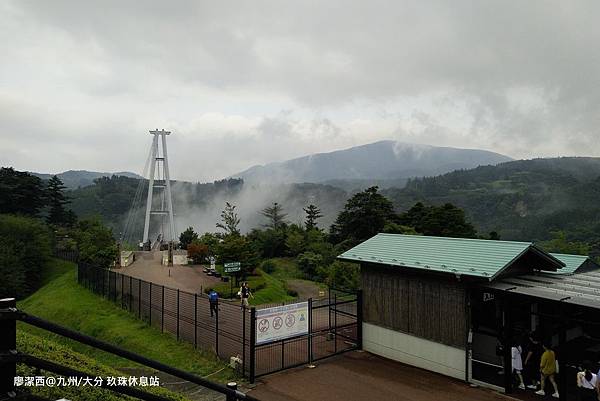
(10, 357)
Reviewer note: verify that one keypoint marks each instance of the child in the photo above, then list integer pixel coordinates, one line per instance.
(517, 363)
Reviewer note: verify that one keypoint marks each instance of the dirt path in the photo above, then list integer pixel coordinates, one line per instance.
(363, 376)
(305, 289)
(188, 278)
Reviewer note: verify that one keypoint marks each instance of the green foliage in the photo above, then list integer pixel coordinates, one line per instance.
(20, 193)
(365, 214)
(395, 228)
(56, 200)
(309, 262)
(95, 243)
(442, 221)
(211, 241)
(313, 213)
(235, 248)
(230, 220)
(269, 243)
(275, 216)
(560, 244)
(24, 254)
(187, 237)
(342, 275)
(295, 241)
(45, 348)
(268, 266)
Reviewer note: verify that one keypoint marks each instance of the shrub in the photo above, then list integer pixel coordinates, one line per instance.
(24, 253)
(268, 266)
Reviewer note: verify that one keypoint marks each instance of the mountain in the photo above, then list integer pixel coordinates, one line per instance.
(82, 178)
(379, 161)
(524, 200)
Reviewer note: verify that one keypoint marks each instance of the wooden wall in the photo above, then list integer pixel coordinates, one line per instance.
(425, 306)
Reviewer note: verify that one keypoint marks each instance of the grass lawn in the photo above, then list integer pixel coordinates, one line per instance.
(63, 301)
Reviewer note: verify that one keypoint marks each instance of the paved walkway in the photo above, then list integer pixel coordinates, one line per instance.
(363, 376)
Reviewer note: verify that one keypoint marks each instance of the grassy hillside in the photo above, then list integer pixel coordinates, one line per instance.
(64, 302)
(48, 349)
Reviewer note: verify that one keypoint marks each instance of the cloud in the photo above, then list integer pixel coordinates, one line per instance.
(249, 83)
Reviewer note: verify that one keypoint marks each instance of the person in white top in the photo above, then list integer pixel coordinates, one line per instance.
(588, 385)
(517, 363)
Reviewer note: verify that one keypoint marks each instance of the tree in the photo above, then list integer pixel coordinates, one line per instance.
(236, 248)
(561, 244)
(364, 215)
(24, 254)
(197, 251)
(295, 240)
(20, 192)
(313, 213)
(275, 215)
(95, 243)
(443, 221)
(187, 237)
(230, 220)
(56, 200)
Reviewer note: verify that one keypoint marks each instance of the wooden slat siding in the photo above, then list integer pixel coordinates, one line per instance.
(428, 307)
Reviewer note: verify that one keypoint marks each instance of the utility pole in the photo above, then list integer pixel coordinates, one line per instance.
(162, 182)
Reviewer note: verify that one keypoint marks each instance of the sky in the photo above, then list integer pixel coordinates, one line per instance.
(251, 82)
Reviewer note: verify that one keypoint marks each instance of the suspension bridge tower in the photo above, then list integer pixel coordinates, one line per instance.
(159, 181)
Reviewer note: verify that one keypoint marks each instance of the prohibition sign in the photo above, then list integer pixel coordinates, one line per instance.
(290, 319)
(277, 323)
(263, 325)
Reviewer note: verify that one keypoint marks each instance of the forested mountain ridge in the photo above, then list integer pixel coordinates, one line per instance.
(521, 200)
(73, 179)
(366, 164)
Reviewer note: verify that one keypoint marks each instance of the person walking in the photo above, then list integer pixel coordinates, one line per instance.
(547, 370)
(517, 363)
(213, 300)
(531, 364)
(245, 293)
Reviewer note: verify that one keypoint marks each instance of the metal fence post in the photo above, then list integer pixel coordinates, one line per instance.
(130, 294)
(217, 330)
(329, 306)
(115, 287)
(8, 346)
(359, 319)
(150, 305)
(102, 283)
(196, 320)
(252, 344)
(139, 298)
(122, 289)
(231, 396)
(310, 351)
(178, 314)
(243, 344)
(335, 323)
(162, 311)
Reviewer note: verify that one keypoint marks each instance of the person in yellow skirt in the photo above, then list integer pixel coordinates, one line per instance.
(548, 370)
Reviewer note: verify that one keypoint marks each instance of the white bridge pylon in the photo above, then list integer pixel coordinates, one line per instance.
(161, 182)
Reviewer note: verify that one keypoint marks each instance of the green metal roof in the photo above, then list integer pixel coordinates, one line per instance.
(472, 257)
(572, 262)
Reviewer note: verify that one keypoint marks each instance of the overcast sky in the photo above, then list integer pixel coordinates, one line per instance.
(250, 82)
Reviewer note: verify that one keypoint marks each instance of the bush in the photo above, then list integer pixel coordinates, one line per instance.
(24, 253)
(268, 266)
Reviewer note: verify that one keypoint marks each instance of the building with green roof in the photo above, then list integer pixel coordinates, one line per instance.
(447, 304)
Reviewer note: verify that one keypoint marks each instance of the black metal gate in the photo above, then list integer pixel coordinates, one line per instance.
(334, 327)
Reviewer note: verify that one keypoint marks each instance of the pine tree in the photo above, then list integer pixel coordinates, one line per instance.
(230, 220)
(312, 214)
(56, 201)
(275, 215)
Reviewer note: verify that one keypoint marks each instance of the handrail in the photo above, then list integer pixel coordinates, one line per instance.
(15, 314)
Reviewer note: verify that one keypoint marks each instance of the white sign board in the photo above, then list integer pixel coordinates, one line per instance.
(281, 322)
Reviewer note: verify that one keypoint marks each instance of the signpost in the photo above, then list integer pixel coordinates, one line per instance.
(281, 322)
(229, 268)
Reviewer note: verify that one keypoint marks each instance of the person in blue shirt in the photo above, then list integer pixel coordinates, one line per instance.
(213, 299)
